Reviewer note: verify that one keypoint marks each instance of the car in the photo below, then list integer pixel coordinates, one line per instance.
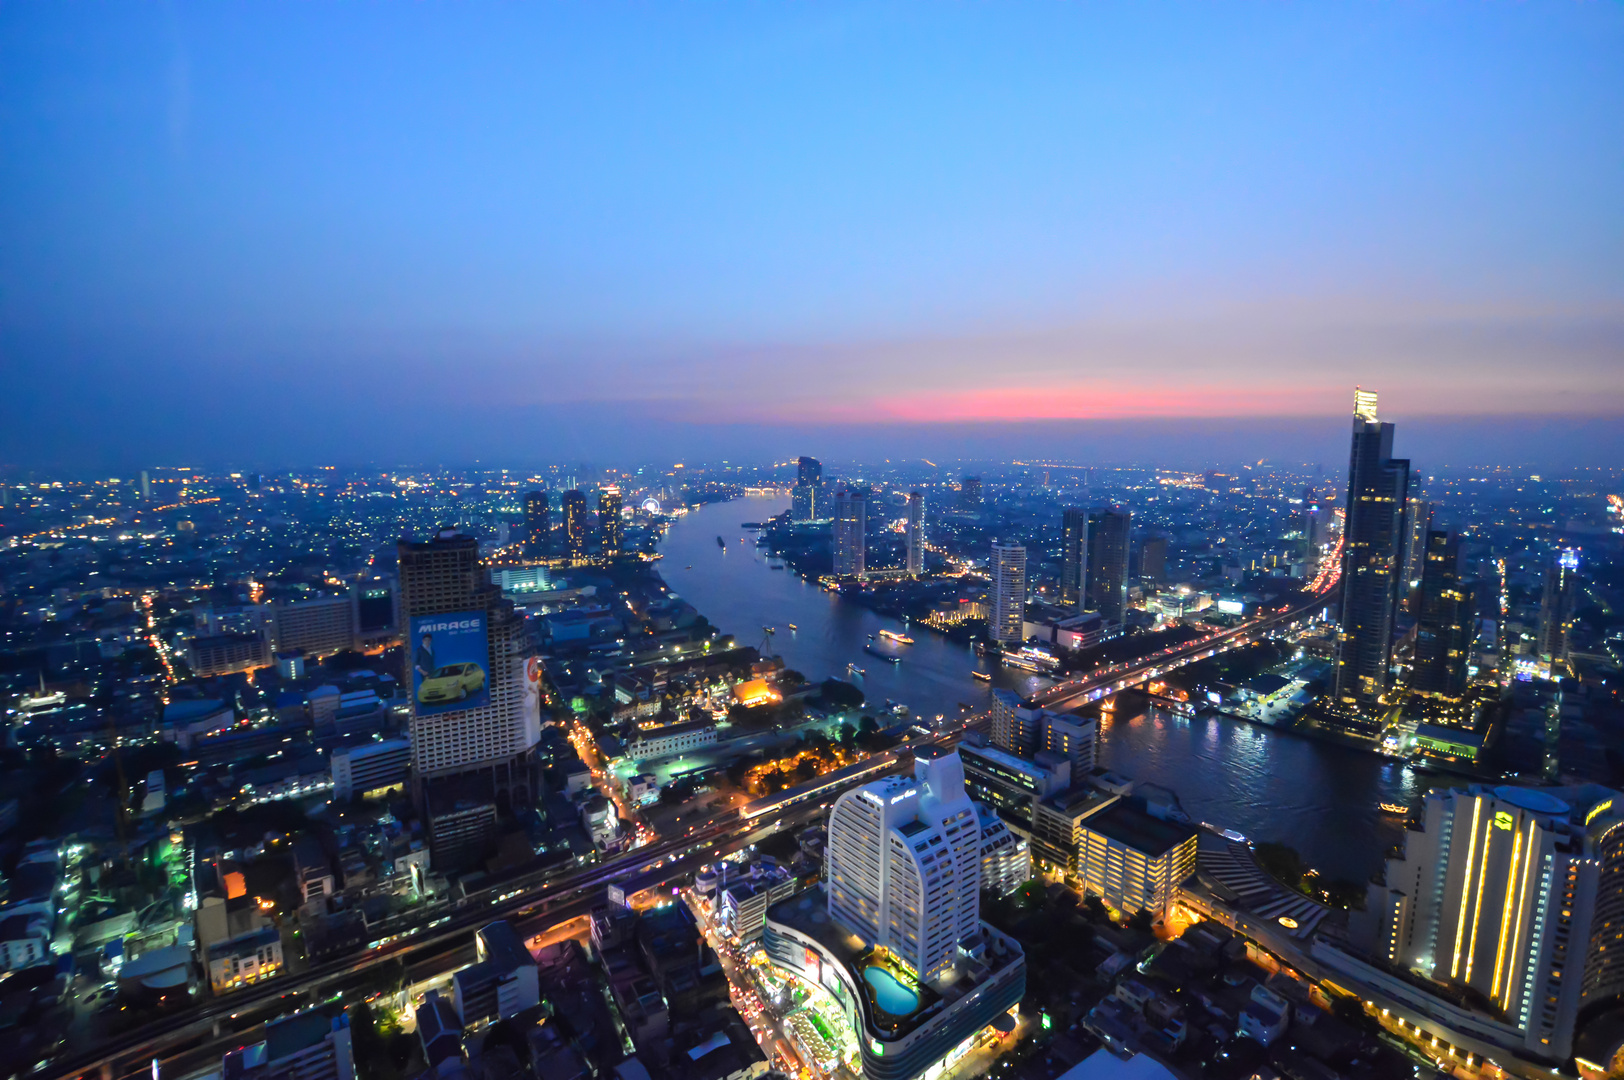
(451, 682)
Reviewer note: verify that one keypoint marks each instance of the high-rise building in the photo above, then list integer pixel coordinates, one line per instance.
(1446, 619)
(1025, 731)
(1511, 899)
(466, 760)
(1415, 556)
(609, 524)
(894, 933)
(904, 865)
(916, 533)
(970, 493)
(1006, 599)
(538, 524)
(317, 627)
(806, 498)
(1557, 604)
(146, 487)
(851, 533)
(1107, 569)
(1373, 538)
(1153, 560)
(1073, 556)
(575, 524)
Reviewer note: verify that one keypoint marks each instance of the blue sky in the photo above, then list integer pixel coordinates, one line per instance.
(764, 214)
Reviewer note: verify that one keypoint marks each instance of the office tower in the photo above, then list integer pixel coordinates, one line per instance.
(851, 533)
(575, 525)
(1446, 619)
(146, 486)
(465, 760)
(1415, 552)
(538, 524)
(970, 493)
(896, 934)
(1556, 605)
(916, 533)
(1107, 570)
(1372, 552)
(1510, 899)
(609, 524)
(1006, 599)
(904, 865)
(1073, 556)
(1006, 860)
(317, 627)
(1075, 738)
(1153, 560)
(806, 498)
(1014, 725)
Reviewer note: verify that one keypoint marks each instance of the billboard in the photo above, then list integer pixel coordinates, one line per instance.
(450, 656)
(530, 673)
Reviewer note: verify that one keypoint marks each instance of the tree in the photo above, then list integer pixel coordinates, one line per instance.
(1140, 920)
(840, 695)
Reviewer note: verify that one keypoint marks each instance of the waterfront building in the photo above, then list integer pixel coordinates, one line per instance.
(1556, 606)
(1073, 556)
(1374, 534)
(537, 525)
(1446, 620)
(488, 746)
(1133, 860)
(1057, 824)
(1006, 860)
(806, 498)
(1106, 577)
(609, 523)
(970, 494)
(1010, 783)
(1025, 731)
(1511, 900)
(916, 533)
(575, 525)
(851, 532)
(1007, 597)
(894, 933)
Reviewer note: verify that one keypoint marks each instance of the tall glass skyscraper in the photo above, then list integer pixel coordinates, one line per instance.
(851, 533)
(916, 532)
(1106, 568)
(1446, 619)
(537, 524)
(609, 524)
(1006, 601)
(1073, 556)
(1374, 535)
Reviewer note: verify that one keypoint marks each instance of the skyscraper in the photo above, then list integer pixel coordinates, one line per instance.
(465, 761)
(970, 493)
(609, 524)
(904, 866)
(851, 532)
(1153, 560)
(1415, 556)
(1107, 568)
(146, 487)
(807, 496)
(1374, 533)
(1073, 556)
(1006, 601)
(1446, 619)
(537, 524)
(575, 524)
(1510, 895)
(916, 533)
(1556, 605)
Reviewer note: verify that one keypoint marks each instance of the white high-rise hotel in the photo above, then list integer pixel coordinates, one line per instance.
(904, 865)
(1007, 598)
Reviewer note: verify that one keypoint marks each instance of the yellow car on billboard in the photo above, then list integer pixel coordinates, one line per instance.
(451, 682)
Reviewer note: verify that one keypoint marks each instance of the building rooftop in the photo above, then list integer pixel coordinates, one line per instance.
(1130, 825)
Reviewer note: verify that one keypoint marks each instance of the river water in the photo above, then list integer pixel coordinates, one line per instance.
(1318, 797)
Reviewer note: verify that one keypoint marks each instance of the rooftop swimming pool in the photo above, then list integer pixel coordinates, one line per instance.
(889, 994)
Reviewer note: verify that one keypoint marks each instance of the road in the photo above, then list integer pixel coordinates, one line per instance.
(1071, 693)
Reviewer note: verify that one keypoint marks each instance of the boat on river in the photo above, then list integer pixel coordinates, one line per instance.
(982, 675)
(900, 639)
(1392, 808)
(792, 626)
(720, 542)
(855, 670)
(887, 657)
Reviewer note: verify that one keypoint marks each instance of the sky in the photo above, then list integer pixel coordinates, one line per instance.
(295, 234)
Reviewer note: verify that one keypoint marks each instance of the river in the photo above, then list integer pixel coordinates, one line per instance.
(1318, 797)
